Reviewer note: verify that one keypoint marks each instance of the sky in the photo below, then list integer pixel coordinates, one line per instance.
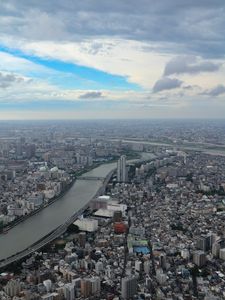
(91, 59)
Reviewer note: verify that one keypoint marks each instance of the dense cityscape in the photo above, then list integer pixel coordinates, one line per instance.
(112, 150)
(154, 230)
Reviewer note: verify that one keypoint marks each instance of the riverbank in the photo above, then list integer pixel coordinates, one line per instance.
(14, 223)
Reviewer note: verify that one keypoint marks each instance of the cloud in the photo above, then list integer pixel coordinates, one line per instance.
(91, 95)
(166, 83)
(6, 80)
(14, 64)
(117, 37)
(177, 25)
(106, 35)
(40, 91)
(189, 64)
(216, 91)
(107, 55)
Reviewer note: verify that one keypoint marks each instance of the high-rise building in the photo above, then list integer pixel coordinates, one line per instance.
(199, 258)
(95, 285)
(222, 254)
(160, 276)
(216, 249)
(19, 149)
(138, 266)
(204, 243)
(82, 239)
(69, 291)
(121, 169)
(48, 284)
(85, 288)
(90, 286)
(129, 287)
(30, 150)
(147, 267)
(12, 288)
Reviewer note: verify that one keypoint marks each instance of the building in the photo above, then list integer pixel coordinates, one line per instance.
(89, 225)
(51, 296)
(100, 202)
(120, 227)
(99, 267)
(138, 266)
(121, 169)
(199, 258)
(161, 277)
(129, 287)
(216, 249)
(85, 288)
(90, 286)
(36, 199)
(204, 243)
(82, 239)
(12, 288)
(69, 291)
(117, 216)
(30, 150)
(222, 254)
(48, 284)
(85, 160)
(19, 149)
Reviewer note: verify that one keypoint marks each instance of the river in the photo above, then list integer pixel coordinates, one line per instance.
(199, 147)
(39, 225)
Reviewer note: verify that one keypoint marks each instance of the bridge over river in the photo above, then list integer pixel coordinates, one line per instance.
(91, 178)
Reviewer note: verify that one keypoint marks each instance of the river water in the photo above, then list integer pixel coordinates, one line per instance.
(36, 227)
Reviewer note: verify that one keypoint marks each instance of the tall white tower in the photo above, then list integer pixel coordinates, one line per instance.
(121, 169)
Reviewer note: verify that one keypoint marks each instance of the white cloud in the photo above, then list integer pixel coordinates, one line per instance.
(11, 63)
(115, 56)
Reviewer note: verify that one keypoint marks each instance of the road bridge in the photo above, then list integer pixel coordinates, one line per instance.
(91, 178)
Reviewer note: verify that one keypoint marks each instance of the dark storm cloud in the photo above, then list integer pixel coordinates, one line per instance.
(6, 80)
(179, 25)
(189, 64)
(166, 83)
(91, 95)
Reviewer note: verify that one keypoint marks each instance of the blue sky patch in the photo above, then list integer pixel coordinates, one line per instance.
(74, 76)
